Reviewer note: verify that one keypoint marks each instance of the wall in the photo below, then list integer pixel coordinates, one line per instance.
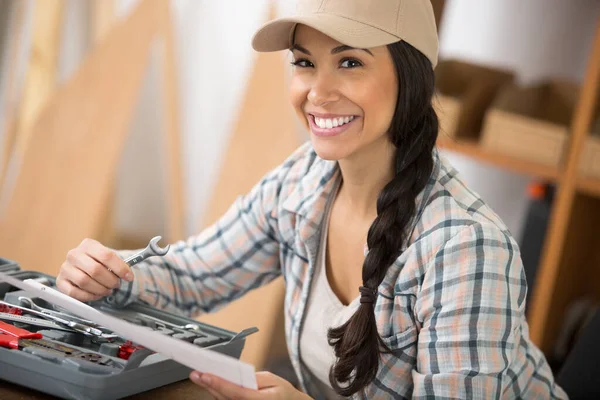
(538, 38)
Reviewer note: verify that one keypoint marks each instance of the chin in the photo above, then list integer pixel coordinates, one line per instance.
(328, 149)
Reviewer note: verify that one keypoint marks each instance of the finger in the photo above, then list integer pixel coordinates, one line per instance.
(108, 258)
(226, 389)
(265, 379)
(195, 378)
(216, 395)
(71, 290)
(83, 281)
(95, 271)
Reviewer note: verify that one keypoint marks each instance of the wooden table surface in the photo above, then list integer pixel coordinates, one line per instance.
(183, 390)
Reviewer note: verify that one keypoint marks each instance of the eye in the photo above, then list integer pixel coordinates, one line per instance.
(350, 63)
(302, 63)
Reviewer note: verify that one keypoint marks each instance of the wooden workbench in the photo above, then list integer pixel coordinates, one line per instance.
(183, 390)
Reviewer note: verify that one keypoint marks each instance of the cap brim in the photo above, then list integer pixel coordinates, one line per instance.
(275, 35)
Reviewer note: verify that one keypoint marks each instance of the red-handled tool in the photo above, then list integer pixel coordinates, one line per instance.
(10, 310)
(17, 338)
(12, 334)
(18, 332)
(127, 349)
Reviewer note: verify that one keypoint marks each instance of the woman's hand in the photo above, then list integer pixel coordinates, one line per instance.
(270, 387)
(91, 271)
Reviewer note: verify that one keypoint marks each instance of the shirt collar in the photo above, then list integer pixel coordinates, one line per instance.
(312, 191)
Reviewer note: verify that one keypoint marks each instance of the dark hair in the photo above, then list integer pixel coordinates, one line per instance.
(413, 131)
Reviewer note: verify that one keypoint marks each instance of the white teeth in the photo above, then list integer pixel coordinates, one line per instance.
(327, 123)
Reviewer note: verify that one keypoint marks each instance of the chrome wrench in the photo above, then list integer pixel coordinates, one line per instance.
(42, 323)
(159, 322)
(76, 326)
(153, 249)
(31, 304)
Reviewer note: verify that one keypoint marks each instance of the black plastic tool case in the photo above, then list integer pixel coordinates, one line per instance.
(62, 379)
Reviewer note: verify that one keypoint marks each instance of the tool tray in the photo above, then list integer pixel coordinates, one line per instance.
(72, 365)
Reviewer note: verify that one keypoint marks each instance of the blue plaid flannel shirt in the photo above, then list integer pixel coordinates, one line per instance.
(452, 306)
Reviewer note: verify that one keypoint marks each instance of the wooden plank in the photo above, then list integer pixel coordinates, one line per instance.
(471, 148)
(266, 121)
(103, 18)
(68, 167)
(11, 88)
(104, 13)
(42, 71)
(175, 204)
(543, 321)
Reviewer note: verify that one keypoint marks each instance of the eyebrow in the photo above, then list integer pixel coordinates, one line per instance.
(336, 50)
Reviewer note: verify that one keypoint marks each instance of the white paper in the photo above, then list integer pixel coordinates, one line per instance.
(192, 356)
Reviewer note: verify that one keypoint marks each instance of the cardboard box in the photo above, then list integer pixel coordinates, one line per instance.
(531, 123)
(464, 93)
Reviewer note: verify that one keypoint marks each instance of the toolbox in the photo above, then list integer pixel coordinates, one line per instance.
(42, 353)
(8, 265)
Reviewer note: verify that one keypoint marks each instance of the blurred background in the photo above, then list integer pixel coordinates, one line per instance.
(123, 119)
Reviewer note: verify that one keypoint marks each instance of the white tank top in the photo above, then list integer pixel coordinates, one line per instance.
(324, 310)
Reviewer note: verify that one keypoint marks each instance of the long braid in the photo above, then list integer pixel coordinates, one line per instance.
(413, 132)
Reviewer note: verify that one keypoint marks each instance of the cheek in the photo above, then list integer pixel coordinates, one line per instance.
(389, 99)
(379, 105)
(297, 95)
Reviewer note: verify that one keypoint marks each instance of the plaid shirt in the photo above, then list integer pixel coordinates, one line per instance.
(451, 307)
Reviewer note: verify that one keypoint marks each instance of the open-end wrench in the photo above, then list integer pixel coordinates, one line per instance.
(39, 322)
(153, 249)
(76, 326)
(166, 324)
(31, 304)
(159, 322)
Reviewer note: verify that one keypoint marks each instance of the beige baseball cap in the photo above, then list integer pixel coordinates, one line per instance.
(357, 23)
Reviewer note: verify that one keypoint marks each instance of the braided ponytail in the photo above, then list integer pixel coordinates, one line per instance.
(413, 132)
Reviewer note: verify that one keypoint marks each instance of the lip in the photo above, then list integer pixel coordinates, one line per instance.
(328, 132)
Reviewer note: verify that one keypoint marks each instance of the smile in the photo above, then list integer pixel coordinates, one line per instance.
(330, 126)
(328, 123)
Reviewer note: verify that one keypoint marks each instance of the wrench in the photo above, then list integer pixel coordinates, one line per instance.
(42, 323)
(166, 324)
(30, 303)
(159, 322)
(76, 326)
(153, 249)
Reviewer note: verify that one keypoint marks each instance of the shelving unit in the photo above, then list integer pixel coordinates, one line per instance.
(471, 148)
(569, 262)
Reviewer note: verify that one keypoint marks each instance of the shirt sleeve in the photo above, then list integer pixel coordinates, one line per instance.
(236, 254)
(471, 310)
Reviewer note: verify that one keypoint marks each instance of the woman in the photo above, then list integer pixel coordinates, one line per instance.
(400, 281)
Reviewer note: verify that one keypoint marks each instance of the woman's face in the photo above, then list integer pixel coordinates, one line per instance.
(345, 96)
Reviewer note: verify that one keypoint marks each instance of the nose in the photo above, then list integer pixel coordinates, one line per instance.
(323, 89)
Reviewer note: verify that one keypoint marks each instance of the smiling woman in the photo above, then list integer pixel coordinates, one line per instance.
(335, 83)
(400, 281)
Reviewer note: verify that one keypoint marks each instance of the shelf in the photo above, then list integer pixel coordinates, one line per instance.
(472, 149)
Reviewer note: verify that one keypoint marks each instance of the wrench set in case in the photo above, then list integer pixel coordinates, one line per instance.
(46, 348)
